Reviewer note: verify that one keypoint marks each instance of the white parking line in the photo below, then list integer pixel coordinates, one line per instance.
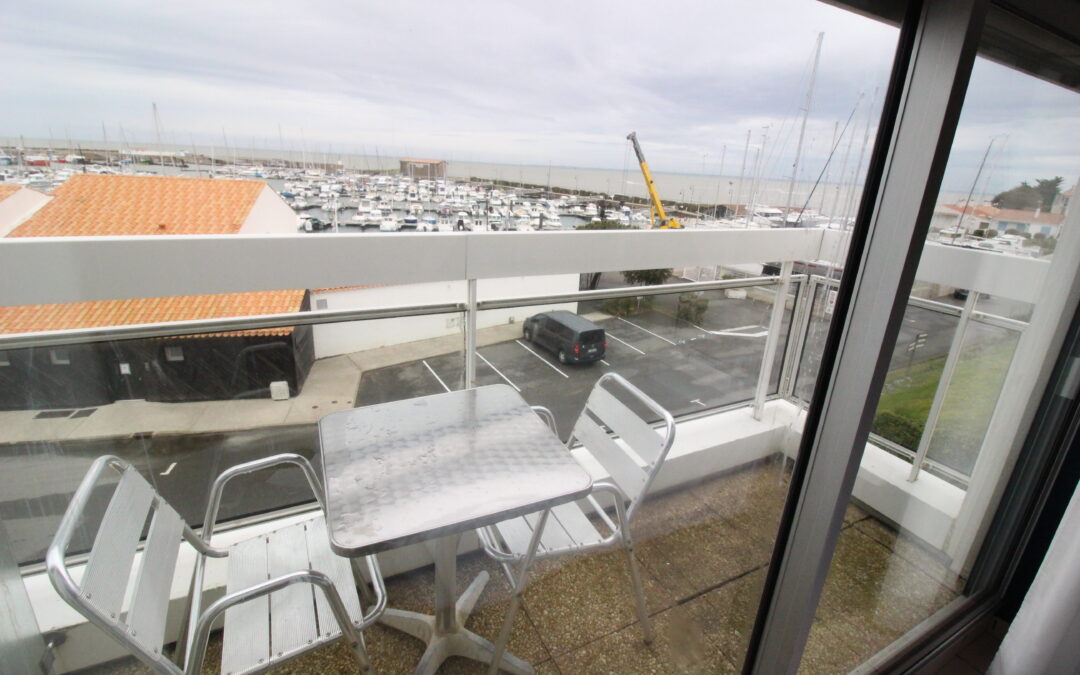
(542, 359)
(625, 343)
(646, 330)
(508, 381)
(166, 472)
(432, 371)
(734, 332)
(605, 363)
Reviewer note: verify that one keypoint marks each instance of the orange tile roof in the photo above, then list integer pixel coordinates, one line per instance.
(8, 189)
(89, 205)
(61, 316)
(977, 211)
(1025, 216)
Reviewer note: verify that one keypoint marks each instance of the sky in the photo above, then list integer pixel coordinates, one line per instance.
(540, 83)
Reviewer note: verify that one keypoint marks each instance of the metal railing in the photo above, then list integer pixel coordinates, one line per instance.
(965, 314)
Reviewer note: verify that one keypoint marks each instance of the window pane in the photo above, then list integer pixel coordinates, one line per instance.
(986, 293)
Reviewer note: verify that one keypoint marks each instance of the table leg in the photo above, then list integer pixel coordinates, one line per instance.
(445, 633)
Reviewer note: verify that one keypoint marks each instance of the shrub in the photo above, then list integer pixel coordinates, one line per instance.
(691, 307)
(981, 234)
(898, 429)
(626, 306)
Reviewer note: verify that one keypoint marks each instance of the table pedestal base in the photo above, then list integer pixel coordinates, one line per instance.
(445, 633)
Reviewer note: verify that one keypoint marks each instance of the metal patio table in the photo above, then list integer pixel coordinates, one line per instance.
(428, 469)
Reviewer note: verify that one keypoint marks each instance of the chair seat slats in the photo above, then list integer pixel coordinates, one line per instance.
(576, 523)
(292, 609)
(109, 567)
(246, 644)
(339, 571)
(567, 528)
(626, 424)
(146, 620)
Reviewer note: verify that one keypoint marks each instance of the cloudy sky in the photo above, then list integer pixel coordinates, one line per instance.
(557, 83)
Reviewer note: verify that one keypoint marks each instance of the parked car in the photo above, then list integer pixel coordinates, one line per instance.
(572, 338)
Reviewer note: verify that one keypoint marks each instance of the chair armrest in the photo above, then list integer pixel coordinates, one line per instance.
(210, 520)
(546, 415)
(619, 497)
(197, 650)
(380, 593)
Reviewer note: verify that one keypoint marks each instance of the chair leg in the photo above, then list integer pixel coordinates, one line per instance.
(639, 594)
(362, 660)
(366, 594)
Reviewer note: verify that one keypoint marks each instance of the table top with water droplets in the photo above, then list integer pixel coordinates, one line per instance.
(407, 471)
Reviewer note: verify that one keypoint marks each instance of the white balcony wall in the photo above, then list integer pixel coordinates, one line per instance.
(333, 339)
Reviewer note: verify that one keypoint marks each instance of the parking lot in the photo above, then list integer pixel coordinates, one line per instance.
(684, 366)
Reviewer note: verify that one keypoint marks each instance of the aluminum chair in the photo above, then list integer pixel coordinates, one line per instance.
(286, 591)
(632, 465)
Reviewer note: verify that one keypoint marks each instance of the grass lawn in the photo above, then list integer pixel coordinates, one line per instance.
(905, 403)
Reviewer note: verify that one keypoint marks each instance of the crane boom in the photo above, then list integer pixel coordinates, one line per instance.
(657, 206)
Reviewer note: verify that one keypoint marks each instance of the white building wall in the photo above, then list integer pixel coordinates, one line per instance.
(18, 207)
(270, 215)
(354, 336)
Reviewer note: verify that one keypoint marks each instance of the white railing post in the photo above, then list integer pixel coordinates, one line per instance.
(470, 336)
(772, 339)
(951, 361)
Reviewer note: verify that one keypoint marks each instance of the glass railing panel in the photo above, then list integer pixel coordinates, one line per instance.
(692, 351)
(918, 358)
(184, 408)
(971, 396)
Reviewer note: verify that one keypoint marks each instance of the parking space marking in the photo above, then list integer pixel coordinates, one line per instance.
(526, 348)
(605, 363)
(734, 332)
(626, 343)
(646, 330)
(436, 375)
(499, 372)
(166, 472)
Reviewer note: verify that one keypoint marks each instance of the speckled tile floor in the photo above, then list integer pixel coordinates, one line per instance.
(703, 553)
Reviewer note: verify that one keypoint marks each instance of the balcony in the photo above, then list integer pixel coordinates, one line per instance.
(737, 376)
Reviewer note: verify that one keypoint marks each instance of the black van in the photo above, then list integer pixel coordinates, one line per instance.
(574, 339)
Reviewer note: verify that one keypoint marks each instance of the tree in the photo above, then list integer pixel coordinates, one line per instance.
(1048, 189)
(604, 225)
(647, 277)
(1028, 198)
(1023, 197)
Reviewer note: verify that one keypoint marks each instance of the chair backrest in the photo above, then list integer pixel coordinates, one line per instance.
(110, 568)
(633, 463)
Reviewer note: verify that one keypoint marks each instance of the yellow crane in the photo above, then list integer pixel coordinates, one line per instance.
(657, 206)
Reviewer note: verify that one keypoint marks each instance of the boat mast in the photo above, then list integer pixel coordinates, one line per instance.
(828, 164)
(105, 142)
(843, 170)
(157, 132)
(719, 180)
(759, 162)
(862, 153)
(975, 182)
(742, 171)
(802, 127)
